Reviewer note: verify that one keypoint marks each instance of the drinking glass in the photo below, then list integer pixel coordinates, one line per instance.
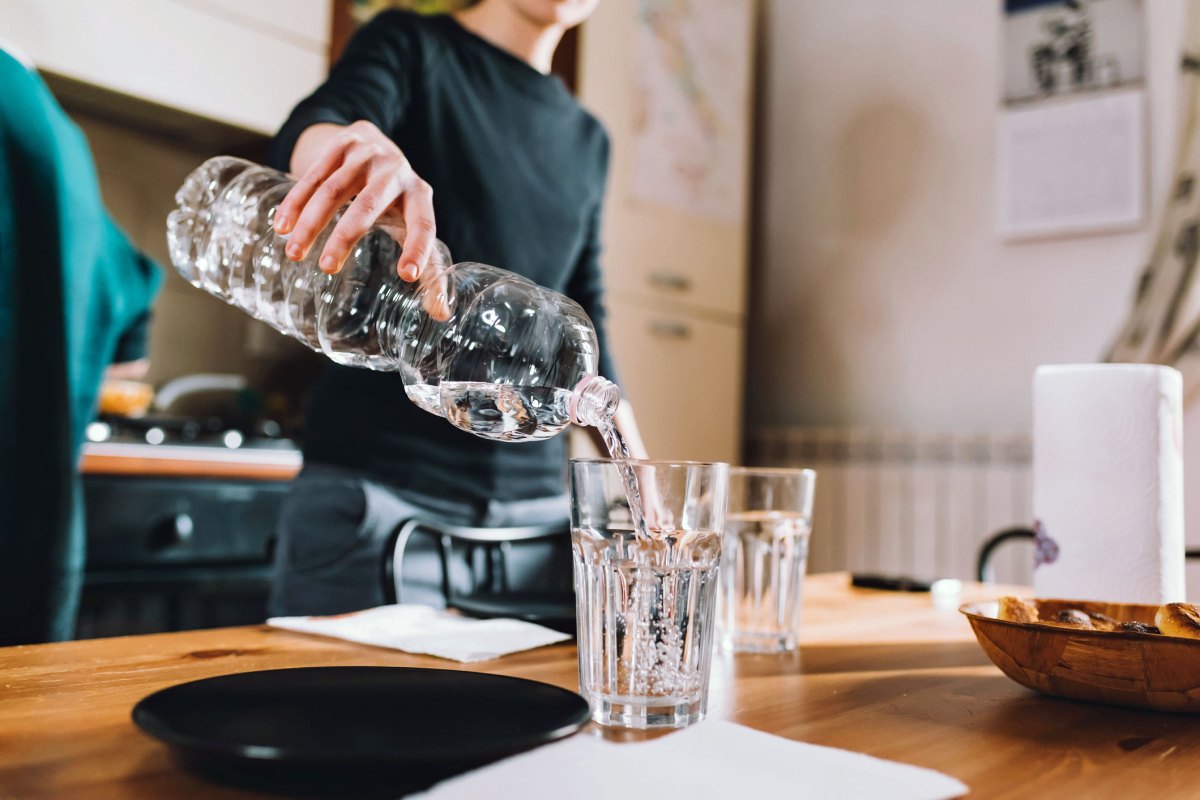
(767, 527)
(646, 597)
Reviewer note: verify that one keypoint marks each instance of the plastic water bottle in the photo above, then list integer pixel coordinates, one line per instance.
(489, 350)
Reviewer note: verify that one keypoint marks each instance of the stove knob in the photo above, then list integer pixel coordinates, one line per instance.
(174, 532)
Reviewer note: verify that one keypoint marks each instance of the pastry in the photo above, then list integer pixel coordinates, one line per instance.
(1071, 618)
(1014, 609)
(1103, 622)
(1179, 619)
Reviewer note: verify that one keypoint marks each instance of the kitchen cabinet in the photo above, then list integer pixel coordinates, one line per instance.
(683, 375)
(676, 276)
(170, 553)
(245, 64)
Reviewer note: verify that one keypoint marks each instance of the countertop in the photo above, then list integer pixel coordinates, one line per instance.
(190, 461)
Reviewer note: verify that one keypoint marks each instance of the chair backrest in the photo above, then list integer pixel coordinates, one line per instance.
(984, 573)
(494, 542)
(983, 567)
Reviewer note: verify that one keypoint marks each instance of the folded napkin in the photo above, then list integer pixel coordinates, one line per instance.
(421, 629)
(713, 759)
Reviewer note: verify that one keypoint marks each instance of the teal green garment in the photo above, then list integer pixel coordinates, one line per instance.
(70, 285)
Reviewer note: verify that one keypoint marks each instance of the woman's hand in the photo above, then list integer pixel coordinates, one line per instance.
(356, 162)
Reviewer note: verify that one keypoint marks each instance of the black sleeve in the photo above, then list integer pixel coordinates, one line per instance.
(586, 286)
(134, 342)
(372, 81)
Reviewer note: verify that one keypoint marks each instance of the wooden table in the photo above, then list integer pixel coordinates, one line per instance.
(879, 672)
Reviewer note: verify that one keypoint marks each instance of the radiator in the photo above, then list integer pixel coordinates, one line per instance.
(909, 503)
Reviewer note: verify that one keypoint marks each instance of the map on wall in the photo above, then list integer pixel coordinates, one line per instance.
(690, 119)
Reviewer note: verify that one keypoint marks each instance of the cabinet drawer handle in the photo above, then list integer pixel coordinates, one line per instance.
(670, 329)
(175, 531)
(670, 280)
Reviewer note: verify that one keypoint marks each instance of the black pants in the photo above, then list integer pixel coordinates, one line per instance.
(336, 527)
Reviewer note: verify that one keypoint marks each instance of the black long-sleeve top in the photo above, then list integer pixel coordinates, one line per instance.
(518, 170)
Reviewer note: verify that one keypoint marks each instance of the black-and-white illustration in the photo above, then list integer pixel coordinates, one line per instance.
(1053, 47)
(1064, 58)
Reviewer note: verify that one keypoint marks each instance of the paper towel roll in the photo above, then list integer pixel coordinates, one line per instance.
(1108, 482)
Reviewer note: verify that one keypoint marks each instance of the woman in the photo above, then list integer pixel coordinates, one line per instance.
(81, 306)
(463, 105)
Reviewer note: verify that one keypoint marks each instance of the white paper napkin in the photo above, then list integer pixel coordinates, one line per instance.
(421, 629)
(713, 759)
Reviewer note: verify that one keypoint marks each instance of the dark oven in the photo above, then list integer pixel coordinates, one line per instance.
(176, 553)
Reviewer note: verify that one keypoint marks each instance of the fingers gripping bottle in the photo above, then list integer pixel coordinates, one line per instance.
(490, 351)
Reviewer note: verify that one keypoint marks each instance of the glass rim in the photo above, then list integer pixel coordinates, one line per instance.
(649, 462)
(807, 472)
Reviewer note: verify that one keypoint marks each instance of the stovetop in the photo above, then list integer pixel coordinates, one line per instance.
(197, 439)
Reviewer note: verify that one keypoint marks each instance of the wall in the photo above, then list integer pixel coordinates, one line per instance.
(882, 295)
(191, 332)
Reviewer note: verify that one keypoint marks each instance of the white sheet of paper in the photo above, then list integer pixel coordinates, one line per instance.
(712, 759)
(1074, 164)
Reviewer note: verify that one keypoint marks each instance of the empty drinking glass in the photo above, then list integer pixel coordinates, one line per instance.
(767, 527)
(646, 597)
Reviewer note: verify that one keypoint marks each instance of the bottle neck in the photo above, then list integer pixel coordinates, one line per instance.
(594, 400)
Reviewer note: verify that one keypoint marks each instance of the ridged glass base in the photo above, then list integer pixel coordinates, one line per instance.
(648, 713)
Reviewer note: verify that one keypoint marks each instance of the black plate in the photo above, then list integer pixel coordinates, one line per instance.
(354, 731)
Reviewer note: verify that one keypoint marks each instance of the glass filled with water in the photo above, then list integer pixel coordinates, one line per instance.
(646, 586)
(767, 527)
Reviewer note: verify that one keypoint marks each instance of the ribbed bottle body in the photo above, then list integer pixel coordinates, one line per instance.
(491, 351)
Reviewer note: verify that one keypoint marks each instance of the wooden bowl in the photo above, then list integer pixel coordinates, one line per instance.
(1138, 670)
